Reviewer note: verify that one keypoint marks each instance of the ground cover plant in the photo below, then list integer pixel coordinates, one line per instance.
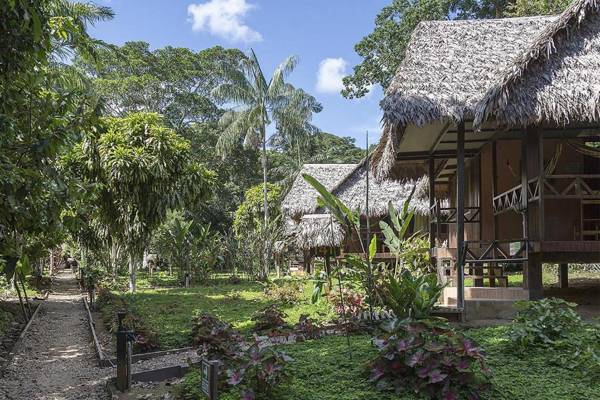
(553, 324)
(169, 312)
(323, 369)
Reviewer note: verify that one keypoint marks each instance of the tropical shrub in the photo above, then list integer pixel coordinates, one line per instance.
(554, 323)
(216, 339)
(411, 296)
(544, 322)
(430, 358)
(284, 291)
(269, 318)
(308, 327)
(109, 304)
(349, 302)
(258, 371)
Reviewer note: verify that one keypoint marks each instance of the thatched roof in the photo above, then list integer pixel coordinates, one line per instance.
(511, 71)
(302, 198)
(353, 189)
(318, 230)
(556, 79)
(449, 66)
(314, 227)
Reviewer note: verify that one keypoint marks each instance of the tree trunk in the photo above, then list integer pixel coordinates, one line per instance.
(114, 256)
(132, 273)
(25, 294)
(265, 199)
(25, 316)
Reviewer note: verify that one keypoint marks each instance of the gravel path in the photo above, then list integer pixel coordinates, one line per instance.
(56, 360)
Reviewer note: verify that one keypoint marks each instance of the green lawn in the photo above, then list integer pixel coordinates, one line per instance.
(549, 278)
(169, 312)
(323, 370)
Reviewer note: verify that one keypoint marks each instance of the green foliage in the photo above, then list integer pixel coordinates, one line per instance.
(258, 372)
(429, 358)
(553, 324)
(544, 322)
(190, 388)
(168, 312)
(44, 107)
(109, 304)
(248, 215)
(216, 340)
(270, 318)
(411, 296)
(140, 169)
(174, 82)
(521, 8)
(284, 291)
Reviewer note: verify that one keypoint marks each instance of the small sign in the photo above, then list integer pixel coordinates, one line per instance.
(209, 381)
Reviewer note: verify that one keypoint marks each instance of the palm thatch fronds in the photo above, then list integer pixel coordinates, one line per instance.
(318, 230)
(511, 72)
(556, 79)
(302, 198)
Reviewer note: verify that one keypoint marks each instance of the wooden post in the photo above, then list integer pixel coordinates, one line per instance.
(431, 202)
(524, 188)
(123, 355)
(541, 178)
(563, 276)
(460, 214)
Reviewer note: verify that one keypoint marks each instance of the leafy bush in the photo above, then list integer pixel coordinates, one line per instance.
(285, 291)
(308, 327)
(189, 388)
(554, 323)
(216, 339)
(257, 371)
(430, 358)
(352, 302)
(544, 322)
(269, 318)
(412, 296)
(109, 304)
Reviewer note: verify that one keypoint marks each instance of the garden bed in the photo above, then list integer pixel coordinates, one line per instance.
(169, 312)
(323, 369)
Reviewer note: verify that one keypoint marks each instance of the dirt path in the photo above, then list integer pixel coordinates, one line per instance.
(56, 360)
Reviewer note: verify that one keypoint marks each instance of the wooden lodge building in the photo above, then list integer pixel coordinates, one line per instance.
(503, 115)
(317, 234)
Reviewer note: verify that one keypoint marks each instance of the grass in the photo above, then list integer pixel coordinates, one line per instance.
(549, 278)
(169, 311)
(323, 370)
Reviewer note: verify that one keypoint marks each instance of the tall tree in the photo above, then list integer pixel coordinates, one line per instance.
(44, 107)
(383, 49)
(260, 102)
(141, 169)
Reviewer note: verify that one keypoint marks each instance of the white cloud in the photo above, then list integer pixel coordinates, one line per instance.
(330, 74)
(224, 18)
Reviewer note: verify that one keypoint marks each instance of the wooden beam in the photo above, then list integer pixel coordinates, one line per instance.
(439, 138)
(460, 212)
(431, 201)
(563, 276)
(425, 155)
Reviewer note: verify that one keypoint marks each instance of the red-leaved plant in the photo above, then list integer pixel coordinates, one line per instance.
(216, 340)
(258, 371)
(430, 358)
(352, 303)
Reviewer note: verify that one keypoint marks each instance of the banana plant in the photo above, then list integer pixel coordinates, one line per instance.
(394, 234)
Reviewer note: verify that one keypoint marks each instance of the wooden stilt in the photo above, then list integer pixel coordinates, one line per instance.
(460, 214)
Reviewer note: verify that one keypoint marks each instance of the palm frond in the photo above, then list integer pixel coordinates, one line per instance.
(281, 72)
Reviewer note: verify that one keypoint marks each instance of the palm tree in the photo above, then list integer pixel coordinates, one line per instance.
(258, 103)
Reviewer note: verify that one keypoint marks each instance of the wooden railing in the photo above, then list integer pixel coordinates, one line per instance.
(495, 251)
(553, 187)
(447, 215)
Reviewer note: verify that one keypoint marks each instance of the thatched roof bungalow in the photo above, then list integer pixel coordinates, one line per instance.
(498, 114)
(313, 227)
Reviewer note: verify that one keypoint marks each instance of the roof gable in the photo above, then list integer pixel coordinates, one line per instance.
(302, 197)
(556, 79)
(449, 66)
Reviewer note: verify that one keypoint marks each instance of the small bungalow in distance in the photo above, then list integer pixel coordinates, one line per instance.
(317, 234)
(503, 115)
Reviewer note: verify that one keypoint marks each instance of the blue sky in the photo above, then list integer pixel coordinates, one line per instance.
(322, 33)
